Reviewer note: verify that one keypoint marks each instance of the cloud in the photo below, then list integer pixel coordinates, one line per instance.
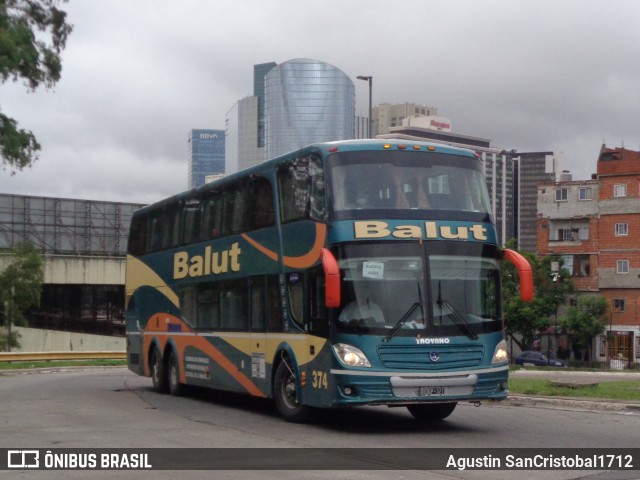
(137, 76)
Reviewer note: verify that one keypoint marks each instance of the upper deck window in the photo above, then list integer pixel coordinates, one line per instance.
(407, 181)
(301, 189)
(232, 208)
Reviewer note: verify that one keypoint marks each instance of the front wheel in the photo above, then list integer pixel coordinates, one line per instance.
(431, 412)
(286, 397)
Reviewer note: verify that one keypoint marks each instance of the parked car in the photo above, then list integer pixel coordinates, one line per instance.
(537, 359)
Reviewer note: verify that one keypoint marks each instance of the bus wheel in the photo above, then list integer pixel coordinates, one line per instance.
(431, 412)
(286, 397)
(175, 387)
(158, 372)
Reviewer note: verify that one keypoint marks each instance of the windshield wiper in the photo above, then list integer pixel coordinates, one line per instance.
(401, 321)
(458, 319)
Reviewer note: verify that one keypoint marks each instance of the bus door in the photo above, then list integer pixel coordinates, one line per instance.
(317, 322)
(309, 328)
(317, 327)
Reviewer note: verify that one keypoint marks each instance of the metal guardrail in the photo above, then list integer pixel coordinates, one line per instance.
(44, 356)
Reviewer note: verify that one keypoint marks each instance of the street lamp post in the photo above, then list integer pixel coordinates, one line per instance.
(370, 80)
(556, 277)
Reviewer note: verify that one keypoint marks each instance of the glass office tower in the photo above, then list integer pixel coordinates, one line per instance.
(206, 155)
(259, 72)
(307, 101)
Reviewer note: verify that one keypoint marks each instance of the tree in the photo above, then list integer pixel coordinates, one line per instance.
(585, 321)
(25, 55)
(525, 321)
(20, 288)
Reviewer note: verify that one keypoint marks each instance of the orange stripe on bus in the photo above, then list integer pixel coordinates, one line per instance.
(183, 341)
(217, 356)
(269, 253)
(302, 261)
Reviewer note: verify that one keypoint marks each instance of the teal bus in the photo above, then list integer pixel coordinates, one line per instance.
(363, 272)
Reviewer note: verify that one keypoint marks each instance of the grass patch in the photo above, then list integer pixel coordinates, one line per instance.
(61, 363)
(616, 390)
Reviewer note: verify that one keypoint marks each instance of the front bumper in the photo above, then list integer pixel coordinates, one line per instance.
(401, 388)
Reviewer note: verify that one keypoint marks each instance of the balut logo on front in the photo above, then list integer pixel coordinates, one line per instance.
(434, 356)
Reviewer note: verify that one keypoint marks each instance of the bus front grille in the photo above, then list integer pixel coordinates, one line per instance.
(431, 357)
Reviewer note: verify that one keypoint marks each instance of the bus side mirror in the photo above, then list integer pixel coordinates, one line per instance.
(525, 272)
(332, 279)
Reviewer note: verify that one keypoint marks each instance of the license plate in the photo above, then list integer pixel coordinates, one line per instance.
(431, 391)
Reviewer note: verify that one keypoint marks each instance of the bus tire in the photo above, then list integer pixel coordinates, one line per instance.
(173, 375)
(431, 412)
(158, 371)
(285, 395)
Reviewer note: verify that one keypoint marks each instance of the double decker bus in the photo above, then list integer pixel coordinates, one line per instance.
(343, 274)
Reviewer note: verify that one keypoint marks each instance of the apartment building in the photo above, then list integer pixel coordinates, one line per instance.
(594, 226)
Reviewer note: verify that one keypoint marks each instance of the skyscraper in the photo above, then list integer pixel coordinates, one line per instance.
(532, 168)
(306, 101)
(206, 155)
(259, 73)
(242, 126)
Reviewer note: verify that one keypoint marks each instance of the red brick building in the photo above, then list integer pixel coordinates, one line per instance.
(594, 225)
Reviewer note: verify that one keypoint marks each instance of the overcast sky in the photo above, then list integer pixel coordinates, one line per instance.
(540, 75)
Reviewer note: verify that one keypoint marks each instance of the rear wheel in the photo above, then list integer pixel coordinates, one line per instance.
(431, 412)
(286, 397)
(175, 387)
(158, 372)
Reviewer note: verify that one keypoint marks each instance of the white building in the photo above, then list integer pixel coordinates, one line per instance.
(241, 136)
(387, 115)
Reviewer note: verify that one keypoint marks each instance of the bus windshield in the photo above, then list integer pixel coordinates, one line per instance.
(407, 181)
(413, 289)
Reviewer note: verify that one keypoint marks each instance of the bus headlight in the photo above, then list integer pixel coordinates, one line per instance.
(500, 354)
(350, 356)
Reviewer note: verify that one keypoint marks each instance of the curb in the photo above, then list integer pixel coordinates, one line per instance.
(572, 404)
(43, 370)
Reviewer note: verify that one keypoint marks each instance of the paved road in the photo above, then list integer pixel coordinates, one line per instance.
(107, 408)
